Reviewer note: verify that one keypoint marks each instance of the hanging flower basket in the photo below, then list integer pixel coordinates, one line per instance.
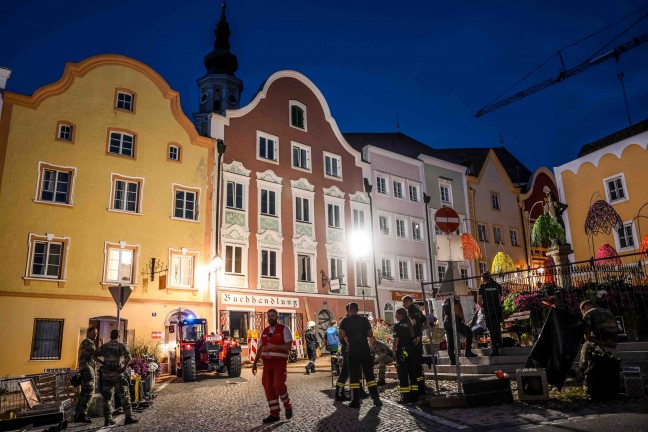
(601, 218)
(643, 249)
(607, 255)
(547, 232)
(502, 263)
(471, 249)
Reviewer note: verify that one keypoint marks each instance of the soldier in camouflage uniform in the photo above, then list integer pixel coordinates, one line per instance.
(115, 359)
(87, 371)
(382, 355)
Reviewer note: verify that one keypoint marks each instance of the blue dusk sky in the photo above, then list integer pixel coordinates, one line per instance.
(432, 63)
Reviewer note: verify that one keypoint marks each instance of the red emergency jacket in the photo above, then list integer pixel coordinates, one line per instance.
(276, 339)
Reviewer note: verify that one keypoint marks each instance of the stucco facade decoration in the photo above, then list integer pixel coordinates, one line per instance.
(612, 169)
(291, 187)
(89, 195)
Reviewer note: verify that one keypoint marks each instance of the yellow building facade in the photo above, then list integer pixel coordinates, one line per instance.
(613, 169)
(100, 172)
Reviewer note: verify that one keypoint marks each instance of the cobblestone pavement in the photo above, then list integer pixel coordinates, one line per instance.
(220, 404)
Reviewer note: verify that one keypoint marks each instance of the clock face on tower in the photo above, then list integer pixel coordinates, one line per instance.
(203, 97)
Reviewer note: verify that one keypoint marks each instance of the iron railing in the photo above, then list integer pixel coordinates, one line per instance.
(54, 386)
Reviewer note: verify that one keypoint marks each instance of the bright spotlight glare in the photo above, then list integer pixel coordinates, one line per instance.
(359, 244)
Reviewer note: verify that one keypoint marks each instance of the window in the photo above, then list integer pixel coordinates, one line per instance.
(268, 263)
(337, 269)
(333, 216)
(381, 185)
(514, 237)
(55, 184)
(268, 202)
(482, 231)
(445, 192)
(304, 268)
(497, 234)
(297, 115)
(185, 203)
(416, 231)
(389, 313)
(358, 219)
(398, 189)
(302, 209)
(173, 152)
(413, 193)
(233, 259)
(301, 156)
(615, 189)
(495, 201)
(386, 268)
(403, 270)
(384, 224)
(482, 267)
(65, 132)
(121, 143)
(626, 236)
(119, 265)
(400, 228)
(234, 195)
(463, 272)
(268, 147)
(182, 270)
(47, 339)
(332, 165)
(125, 100)
(239, 322)
(126, 193)
(442, 271)
(46, 261)
(362, 279)
(419, 272)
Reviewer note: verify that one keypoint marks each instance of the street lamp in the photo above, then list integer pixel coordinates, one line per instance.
(368, 188)
(359, 244)
(214, 266)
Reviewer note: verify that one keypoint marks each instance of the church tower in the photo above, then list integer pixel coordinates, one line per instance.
(219, 88)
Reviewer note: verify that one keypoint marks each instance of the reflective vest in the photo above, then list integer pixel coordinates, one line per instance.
(276, 339)
(332, 337)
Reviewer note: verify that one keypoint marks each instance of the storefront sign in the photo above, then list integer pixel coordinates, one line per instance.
(257, 300)
(398, 295)
(157, 335)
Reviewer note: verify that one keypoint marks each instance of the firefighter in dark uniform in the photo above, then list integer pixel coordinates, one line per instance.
(344, 370)
(419, 323)
(115, 359)
(355, 329)
(489, 298)
(87, 370)
(402, 348)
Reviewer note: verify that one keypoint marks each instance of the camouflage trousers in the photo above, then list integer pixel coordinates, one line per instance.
(87, 392)
(382, 361)
(118, 385)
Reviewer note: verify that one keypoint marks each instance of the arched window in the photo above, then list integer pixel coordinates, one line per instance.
(173, 152)
(297, 115)
(389, 312)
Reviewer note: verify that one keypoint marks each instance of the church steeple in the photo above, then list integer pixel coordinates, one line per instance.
(220, 89)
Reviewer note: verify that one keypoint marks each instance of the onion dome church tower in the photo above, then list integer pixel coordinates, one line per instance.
(219, 88)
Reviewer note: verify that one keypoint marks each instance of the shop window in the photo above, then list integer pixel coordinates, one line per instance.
(239, 322)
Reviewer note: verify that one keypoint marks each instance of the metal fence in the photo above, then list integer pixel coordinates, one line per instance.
(619, 284)
(53, 386)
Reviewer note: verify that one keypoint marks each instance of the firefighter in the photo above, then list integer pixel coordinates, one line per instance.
(402, 349)
(115, 359)
(344, 371)
(381, 355)
(489, 298)
(419, 323)
(275, 346)
(355, 330)
(87, 370)
(311, 347)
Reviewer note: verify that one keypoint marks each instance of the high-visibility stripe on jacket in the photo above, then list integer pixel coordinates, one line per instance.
(276, 339)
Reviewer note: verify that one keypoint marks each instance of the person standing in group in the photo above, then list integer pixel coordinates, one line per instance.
(344, 370)
(311, 347)
(462, 329)
(275, 346)
(489, 298)
(116, 358)
(355, 330)
(402, 349)
(381, 355)
(419, 323)
(332, 338)
(87, 370)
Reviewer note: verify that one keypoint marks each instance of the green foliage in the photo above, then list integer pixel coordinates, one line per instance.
(508, 305)
(547, 232)
(140, 347)
(383, 333)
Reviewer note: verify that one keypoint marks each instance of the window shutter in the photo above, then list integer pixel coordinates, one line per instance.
(162, 282)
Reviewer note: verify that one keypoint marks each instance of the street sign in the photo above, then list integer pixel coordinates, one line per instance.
(447, 220)
(334, 284)
(120, 294)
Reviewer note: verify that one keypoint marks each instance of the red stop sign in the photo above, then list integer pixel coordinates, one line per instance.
(447, 220)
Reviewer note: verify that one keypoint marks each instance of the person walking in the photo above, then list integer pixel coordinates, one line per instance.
(355, 330)
(419, 323)
(311, 347)
(275, 346)
(381, 355)
(402, 349)
(489, 298)
(462, 329)
(87, 370)
(332, 338)
(115, 360)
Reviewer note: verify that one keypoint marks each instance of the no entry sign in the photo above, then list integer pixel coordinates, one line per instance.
(447, 220)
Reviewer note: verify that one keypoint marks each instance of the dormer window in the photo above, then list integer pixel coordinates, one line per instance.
(65, 132)
(125, 100)
(297, 115)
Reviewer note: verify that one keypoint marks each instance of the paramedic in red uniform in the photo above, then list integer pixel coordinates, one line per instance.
(275, 346)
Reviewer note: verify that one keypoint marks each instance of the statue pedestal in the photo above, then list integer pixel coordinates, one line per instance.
(560, 255)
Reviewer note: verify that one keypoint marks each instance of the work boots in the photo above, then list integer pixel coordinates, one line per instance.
(375, 396)
(339, 394)
(355, 398)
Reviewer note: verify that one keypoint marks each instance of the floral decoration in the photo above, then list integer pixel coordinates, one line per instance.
(601, 218)
(644, 247)
(607, 255)
(502, 263)
(547, 232)
(471, 249)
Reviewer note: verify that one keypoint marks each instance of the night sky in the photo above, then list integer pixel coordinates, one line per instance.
(434, 63)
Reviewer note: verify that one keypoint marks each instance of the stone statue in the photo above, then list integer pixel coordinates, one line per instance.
(553, 207)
